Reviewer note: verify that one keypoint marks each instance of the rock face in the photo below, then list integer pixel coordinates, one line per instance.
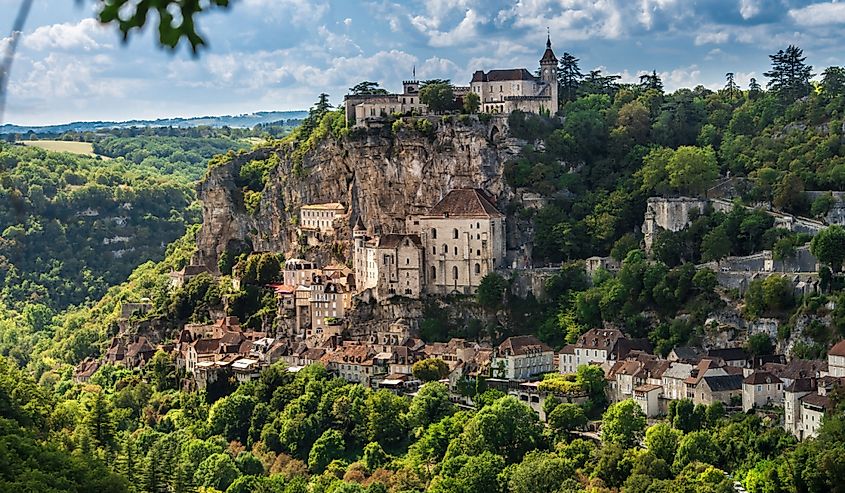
(380, 177)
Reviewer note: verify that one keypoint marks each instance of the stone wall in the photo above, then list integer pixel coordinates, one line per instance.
(669, 214)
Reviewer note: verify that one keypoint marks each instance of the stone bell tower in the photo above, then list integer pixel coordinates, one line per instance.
(548, 74)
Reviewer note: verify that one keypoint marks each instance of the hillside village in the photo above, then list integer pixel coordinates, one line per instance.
(448, 250)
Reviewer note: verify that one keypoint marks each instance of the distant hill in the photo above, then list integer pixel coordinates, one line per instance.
(237, 121)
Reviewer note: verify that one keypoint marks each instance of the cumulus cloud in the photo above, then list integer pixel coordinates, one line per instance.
(820, 14)
(69, 36)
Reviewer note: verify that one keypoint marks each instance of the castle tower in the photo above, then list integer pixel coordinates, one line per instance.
(548, 73)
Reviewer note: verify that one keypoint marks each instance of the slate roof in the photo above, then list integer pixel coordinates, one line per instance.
(503, 75)
(518, 345)
(761, 378)
(463, 202)
(394, 240)
(687, 353)
(599, 339)
(802, 385)
(548, 55)
(816, 400)
(721, 383)
(729, 354)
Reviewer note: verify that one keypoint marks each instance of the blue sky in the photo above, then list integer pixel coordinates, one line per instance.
(279, 54)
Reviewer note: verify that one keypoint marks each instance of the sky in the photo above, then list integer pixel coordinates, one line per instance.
(274, 55)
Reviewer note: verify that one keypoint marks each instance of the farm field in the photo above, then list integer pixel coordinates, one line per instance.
(81, 148)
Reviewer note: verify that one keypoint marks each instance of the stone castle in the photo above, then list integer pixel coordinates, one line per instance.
(499, 91)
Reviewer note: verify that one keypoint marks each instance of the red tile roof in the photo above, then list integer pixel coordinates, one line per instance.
(463, 202)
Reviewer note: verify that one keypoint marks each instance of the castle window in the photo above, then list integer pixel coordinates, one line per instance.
(500, 88)
(456, 250)
(433, 249)
(445, 248)
(478, 268)
(433, 233)
(455, 233)
(477, 225)
(478, 252)
(408, 261)
(433, 272)
(455, 273)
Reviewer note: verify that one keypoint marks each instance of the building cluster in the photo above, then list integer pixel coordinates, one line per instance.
(498, 91)
(448, 250)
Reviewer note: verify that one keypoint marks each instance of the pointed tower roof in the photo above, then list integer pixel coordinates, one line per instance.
(359, 225)
(548, 55)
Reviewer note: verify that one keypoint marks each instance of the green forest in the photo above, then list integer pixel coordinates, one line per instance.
(64, 218)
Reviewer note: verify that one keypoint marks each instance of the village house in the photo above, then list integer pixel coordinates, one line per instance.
(298, 272)
(761, 389)
(359, 108)
(320, 217)
(329, 301)
(813, 408)
(390, 265)
(521, 357)
(792, 407)
(673, 381)
(736, 357)
(836, 360)
(179, 278)
(85, 369)
(686, 354)
(595, 264)
(648, 397)
(598, 347)
(353, 363)
(463, 237)
(718, 388)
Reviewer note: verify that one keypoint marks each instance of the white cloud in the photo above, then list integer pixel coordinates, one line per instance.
(79, 36)
(748, 8)
(819, 14)
(69, 79)
(465, 31)
(713, 37)
(347, 22)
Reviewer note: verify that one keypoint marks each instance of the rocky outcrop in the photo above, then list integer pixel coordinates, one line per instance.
(379, 176)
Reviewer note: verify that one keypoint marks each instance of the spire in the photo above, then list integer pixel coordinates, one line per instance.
(549, 56)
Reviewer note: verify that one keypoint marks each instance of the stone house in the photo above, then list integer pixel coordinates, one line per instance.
(792, 395)
(85, 369)
(718, 388)
(594, 264)
(813, 408)
(179, 278)
(673, 380)
(320, 217)
(329, 301)
(363, 107)
(599, 346)
(354, 363)
(463, 238)
(760, 389)
(521, 357)
(686, 354)
(647, 396)
(298, 272)
(836, 360)
(390, 265)
(736, 357)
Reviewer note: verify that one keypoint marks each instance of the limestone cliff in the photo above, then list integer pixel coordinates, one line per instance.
(378, 175)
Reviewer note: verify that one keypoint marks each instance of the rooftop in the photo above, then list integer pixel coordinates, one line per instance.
(328, 206)
(838, 349)
(466, 202)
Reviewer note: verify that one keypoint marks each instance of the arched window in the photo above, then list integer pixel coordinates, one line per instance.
(433, 272)
(445, 248)
(455, 233)
(455, 273)
(478, 268)
(408, 261)
(433, 233)
(433, 249)
(456, 250)
(477, 225)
